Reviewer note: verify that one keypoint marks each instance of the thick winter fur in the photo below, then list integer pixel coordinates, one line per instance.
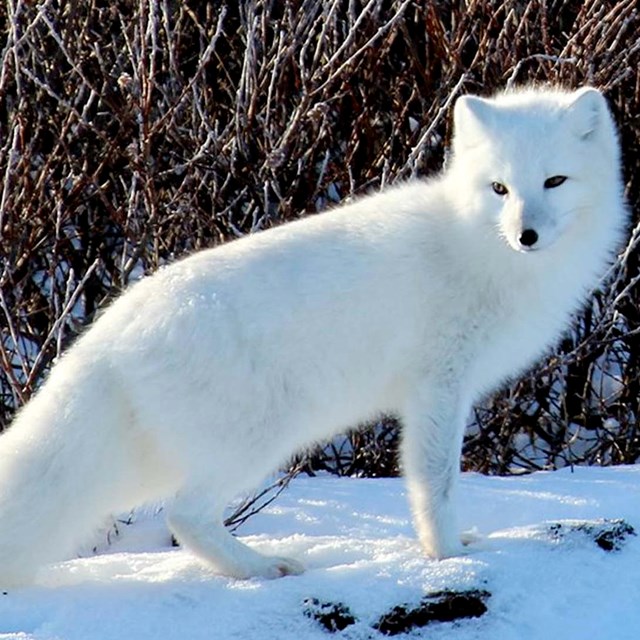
(204, 378)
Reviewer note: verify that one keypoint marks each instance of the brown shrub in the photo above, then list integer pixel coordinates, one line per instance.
(133, 132)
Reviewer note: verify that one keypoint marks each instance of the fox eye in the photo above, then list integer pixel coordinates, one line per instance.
(554, 181)
(499, 188)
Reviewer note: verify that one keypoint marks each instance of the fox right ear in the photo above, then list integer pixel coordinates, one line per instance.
(471, 118)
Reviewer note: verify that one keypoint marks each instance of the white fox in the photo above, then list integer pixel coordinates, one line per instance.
(205, 377)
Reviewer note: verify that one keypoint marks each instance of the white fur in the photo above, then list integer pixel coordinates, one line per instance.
(204, 378)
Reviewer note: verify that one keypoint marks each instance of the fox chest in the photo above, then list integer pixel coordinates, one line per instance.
(489, 343)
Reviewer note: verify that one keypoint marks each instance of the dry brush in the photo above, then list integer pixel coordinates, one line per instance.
(134, 132)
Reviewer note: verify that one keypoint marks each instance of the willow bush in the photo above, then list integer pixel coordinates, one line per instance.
(134, 132)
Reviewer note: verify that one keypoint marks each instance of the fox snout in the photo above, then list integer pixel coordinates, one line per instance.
(528, 229)
(528, 238)
(525, 238)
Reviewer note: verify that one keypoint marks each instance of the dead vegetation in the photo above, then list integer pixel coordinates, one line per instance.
(133, 132)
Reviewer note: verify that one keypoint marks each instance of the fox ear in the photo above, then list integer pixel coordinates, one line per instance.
(471, 118)
(586, 112)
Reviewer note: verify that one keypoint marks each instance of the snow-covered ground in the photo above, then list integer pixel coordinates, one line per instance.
(356, 540)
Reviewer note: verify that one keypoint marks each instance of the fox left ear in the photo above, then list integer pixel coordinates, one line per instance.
(586, 111)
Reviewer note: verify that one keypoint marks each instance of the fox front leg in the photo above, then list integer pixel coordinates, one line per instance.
(433, 427)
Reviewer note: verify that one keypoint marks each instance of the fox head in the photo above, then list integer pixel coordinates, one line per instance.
(531, 165)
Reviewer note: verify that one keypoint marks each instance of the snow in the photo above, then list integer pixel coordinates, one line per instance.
(356, 540)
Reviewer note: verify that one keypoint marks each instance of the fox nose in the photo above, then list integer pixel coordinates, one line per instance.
(528, 238)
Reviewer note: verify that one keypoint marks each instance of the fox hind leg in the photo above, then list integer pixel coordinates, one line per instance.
(200, 528)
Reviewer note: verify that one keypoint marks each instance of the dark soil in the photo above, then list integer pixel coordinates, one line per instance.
(609, 535)
(443, 606)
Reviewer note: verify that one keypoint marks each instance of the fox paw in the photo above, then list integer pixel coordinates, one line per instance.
(455, 547)
(278, 567)
(470, 537)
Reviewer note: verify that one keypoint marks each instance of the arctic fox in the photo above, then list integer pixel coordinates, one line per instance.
(205, 377)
